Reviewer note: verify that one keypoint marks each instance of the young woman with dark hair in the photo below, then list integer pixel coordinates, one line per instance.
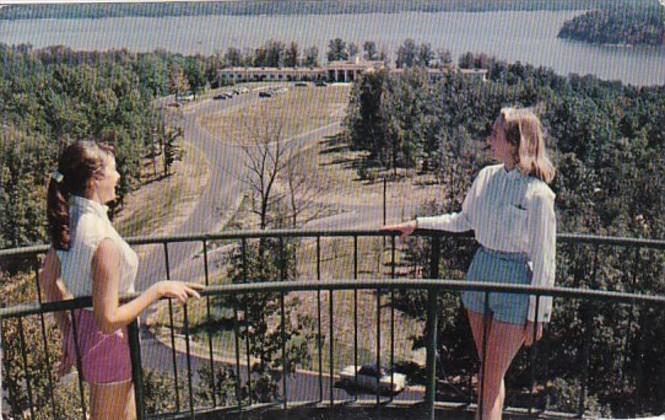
(89, 258)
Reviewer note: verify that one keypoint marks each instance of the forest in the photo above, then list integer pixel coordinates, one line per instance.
(618, 26)
(52, 96)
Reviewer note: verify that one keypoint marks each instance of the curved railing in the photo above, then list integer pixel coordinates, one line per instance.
(434, 287)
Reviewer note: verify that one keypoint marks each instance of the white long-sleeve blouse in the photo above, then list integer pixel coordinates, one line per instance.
(510, 212)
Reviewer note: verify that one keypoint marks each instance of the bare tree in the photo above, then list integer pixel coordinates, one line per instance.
(303, 187)
(266, 156)
(270, 160)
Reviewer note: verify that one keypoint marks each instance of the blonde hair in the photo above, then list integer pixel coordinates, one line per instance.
(525, 133)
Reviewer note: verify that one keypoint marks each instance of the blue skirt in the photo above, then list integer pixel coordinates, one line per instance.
(499, 267)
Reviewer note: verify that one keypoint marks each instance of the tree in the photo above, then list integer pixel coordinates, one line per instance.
(173, 150)
(365, 120)
(248, 57)
(261, 315)
(406, 54)
(178, 82)
(425, 55)
(467, 61)
(195, 73)
(303, 188)
(225, 382)
(311, 57)
(353, 49)
(265, 157)
(292, 55)
(21, 190)
(371, 52)
(212, 66)
(153, 74)
(260, 57)
(274, 51)
(337, 50)
(445, 58)
(233, 57)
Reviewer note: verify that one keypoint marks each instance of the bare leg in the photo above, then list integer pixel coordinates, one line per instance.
(503, 342)
(112, 401)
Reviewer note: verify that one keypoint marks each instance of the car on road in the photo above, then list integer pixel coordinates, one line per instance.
(320, 83)
(265, 94)
(219, 97)
(173, 104)
(301, 84)
(243, 90)
(367, 378)
(186, 97)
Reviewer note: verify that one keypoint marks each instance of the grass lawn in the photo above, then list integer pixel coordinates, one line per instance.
(163, 203)
(334, 167)
(299, 110)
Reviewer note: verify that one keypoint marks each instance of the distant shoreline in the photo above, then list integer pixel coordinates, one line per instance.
(292, 7)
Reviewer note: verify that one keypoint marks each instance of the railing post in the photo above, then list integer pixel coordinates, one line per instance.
(431, 328)
(2, 360)
(436, 256)
(137, 369)
(208, 320)
(588, 310)
(432, 325)
(46, 350)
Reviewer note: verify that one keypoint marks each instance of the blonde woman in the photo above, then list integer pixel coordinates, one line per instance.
(89, 258)
(510, 208)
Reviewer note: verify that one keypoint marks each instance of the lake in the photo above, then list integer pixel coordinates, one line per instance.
(526, 36)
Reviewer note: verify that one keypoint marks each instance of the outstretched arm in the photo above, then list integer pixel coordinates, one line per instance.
(405, 229)
(109, 314)
(453, 222)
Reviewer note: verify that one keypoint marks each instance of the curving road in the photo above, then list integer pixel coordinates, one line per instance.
(220, 196)
(218, 200)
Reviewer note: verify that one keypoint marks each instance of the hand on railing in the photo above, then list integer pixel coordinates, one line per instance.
(405, 228)
(528, 333)
(177, 289)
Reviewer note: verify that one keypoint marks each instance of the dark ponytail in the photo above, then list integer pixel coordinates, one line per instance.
(57, 213)
(78, 164)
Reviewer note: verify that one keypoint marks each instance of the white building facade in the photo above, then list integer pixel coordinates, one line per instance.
(335, 71)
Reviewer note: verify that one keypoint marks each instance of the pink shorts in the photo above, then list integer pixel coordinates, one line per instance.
(104, 357)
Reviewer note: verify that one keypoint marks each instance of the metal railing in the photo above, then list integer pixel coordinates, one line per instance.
(384, 288)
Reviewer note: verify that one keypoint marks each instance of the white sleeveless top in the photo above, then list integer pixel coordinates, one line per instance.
(89, 225)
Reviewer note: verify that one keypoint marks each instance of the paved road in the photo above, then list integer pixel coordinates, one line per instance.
(303, 386)
(220, 196)
(217, 200)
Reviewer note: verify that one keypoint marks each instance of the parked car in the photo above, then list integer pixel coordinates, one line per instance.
(301, 84)
(243, 90)
(367, 375)
(187, 97)
(265, 94)
(320, 83)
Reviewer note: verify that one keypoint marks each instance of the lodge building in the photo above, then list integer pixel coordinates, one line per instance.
(335, 71)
